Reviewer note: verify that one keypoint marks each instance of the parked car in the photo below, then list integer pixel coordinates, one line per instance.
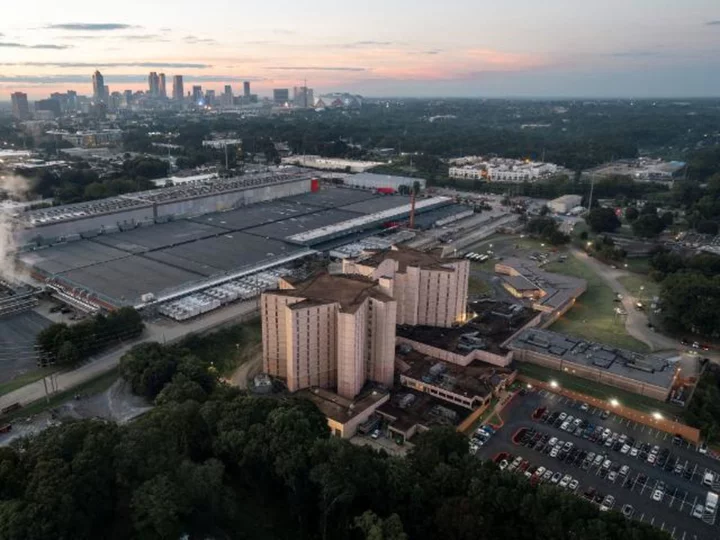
(556, 478)
(657, 495)
(628, 510)
(584, 407)
(565, 481)
(573, 485)
(612, 476)
(608, 503)
(548, 475)
(540, 471)
(503, 464)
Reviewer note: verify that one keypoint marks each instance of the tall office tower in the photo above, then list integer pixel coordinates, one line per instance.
(210, 97)
(20, 108)
(331, 331)
(153, 84)
(162, 90)
(430, 290)
(246, 89)
(127, 98)
(49, 105)
(303, 97)
(98, 87)
(72, 99)
(281, 96)
(178, 90)
(197, 95)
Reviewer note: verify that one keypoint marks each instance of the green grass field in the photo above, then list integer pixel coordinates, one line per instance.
(598, 390)
(593, 316)
(477, 286)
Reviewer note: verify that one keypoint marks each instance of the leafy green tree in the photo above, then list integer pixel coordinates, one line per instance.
(631, 214)
(376, 528)
(648, 225)
(602, 219)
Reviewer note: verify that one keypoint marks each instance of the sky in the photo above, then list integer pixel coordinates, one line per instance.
(383, 48)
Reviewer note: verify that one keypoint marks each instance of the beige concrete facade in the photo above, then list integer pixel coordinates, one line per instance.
(331, 331)
(429, 290)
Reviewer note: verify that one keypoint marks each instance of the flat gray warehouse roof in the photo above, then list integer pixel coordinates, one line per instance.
(256, 214)
(334, 197)
(647, 369)
(377, 204)
(125, 280)
(296, 225)
(63, 257)
(223, 253)
(157, 236)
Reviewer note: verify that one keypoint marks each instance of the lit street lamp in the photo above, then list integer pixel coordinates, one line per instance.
(657, 415)
(614, 402)
(554, 384)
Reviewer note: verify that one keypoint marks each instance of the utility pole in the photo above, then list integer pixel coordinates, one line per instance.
(47, 396)
(592, 186)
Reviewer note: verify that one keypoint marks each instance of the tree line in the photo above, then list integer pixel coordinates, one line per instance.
(211, 462)
(69, 344)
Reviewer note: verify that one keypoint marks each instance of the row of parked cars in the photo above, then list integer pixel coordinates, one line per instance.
(481, 436)
(620, 442)
(539, 474)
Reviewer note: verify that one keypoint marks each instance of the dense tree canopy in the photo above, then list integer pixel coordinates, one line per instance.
(547, 229)
(69, 344)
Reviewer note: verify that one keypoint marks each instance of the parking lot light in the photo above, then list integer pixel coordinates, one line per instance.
(554, 384)
(614, 402)
(657, 415)
(589, 244)
(529, 386)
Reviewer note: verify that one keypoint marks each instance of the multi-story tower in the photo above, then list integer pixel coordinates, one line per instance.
(162, 89)
(178, 90)
(99, 87)
(20, 107)
(246, 89)
(197, 94)
(429, 289)
(330, 331)
(153, 84)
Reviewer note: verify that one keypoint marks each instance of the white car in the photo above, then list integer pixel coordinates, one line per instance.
(552, 441)
(608, 503)
(625, 449)
(612, 476)
(540, 471)
(375, 434)
(651, 459)
(573, 485)
(634, 452)
(562, 416)
(556, 478)
(624, 470)
(606, 464)
(657, 495)
(503, 465)
(565, 481)
(555, 451)
(584, 407)
(698, 511)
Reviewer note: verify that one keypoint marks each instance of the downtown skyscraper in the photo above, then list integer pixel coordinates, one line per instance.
(99, 88)
(178, 89)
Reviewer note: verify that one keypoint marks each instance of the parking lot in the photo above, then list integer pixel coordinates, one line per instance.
(610, 455)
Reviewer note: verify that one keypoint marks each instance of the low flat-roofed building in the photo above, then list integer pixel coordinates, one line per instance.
(429, 289)
(345, 415)
(481, 338)
(562, 205)
(469, 387)
(408, 412)
(647, 375)
(549, 292)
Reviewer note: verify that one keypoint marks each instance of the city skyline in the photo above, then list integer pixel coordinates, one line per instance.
(460, 48)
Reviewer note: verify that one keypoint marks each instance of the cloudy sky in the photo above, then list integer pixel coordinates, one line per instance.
(516, 48)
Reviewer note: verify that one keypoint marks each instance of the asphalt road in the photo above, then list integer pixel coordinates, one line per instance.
(672, 514)
(163, 331)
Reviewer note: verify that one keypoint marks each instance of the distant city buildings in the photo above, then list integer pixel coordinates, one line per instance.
(20, 108)
(500, 169)
(642, 169)
(153, 84)
(338, 101)
(281, 96)
(246, 89)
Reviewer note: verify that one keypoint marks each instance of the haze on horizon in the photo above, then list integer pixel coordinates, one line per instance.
(520, 48)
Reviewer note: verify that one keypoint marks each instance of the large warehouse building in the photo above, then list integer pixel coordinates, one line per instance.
(151, 262)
